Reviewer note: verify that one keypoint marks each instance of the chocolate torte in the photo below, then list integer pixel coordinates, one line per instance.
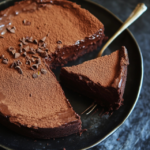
(37, 35)
(103, 79)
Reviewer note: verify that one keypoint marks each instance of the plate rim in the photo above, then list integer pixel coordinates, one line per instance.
(141, 80)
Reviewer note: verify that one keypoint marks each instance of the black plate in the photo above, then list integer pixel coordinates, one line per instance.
(98, 128)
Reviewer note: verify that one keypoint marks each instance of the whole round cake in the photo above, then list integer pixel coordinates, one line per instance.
(36, 36)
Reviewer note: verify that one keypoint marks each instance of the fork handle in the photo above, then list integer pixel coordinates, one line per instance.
(137, 12)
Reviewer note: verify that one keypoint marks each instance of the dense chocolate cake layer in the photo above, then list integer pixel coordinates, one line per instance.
(102, 79)
(69, 29)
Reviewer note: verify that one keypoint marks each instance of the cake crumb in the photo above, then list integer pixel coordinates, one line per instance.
(80, 133)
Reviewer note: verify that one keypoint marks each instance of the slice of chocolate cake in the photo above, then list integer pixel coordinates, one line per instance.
(103, 79)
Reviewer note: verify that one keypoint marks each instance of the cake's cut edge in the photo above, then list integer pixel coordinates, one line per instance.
(107, 93)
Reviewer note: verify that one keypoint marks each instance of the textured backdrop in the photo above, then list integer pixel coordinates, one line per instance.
(134, 134)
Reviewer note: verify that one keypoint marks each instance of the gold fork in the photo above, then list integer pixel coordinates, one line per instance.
(137, 12)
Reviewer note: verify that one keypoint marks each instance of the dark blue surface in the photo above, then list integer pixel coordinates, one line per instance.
(134, 134)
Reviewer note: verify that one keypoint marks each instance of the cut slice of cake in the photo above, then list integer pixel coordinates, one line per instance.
(103, 79)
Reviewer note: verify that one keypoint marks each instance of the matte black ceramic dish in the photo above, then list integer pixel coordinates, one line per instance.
(98, 127)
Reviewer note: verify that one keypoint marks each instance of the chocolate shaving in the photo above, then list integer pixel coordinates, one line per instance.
(14, 27)
(20, 44)
(8, 28)
(27, 38)
(44, 54)
(35, 75)
(10, 49)
(59, 42)
(17, 55)
(2, 56)
(13, 52)
(39, 61)
(35, 56)
(26, 23)
(23, 40)
(27, 58)
(28, 62)
(11, 30)
(32, 59)
(30, 39)
(16, 63)
(43, 71)
(25, 53)
(12, 65)
(43, 39)
(42, 45)
(20, 50)
(19, 69)
(35, 41)
(5, 61)
(32, 50)
(40, 51)
(34, 67)
(24, 43)
(46, 50)
(26, 48)
(1, 36)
